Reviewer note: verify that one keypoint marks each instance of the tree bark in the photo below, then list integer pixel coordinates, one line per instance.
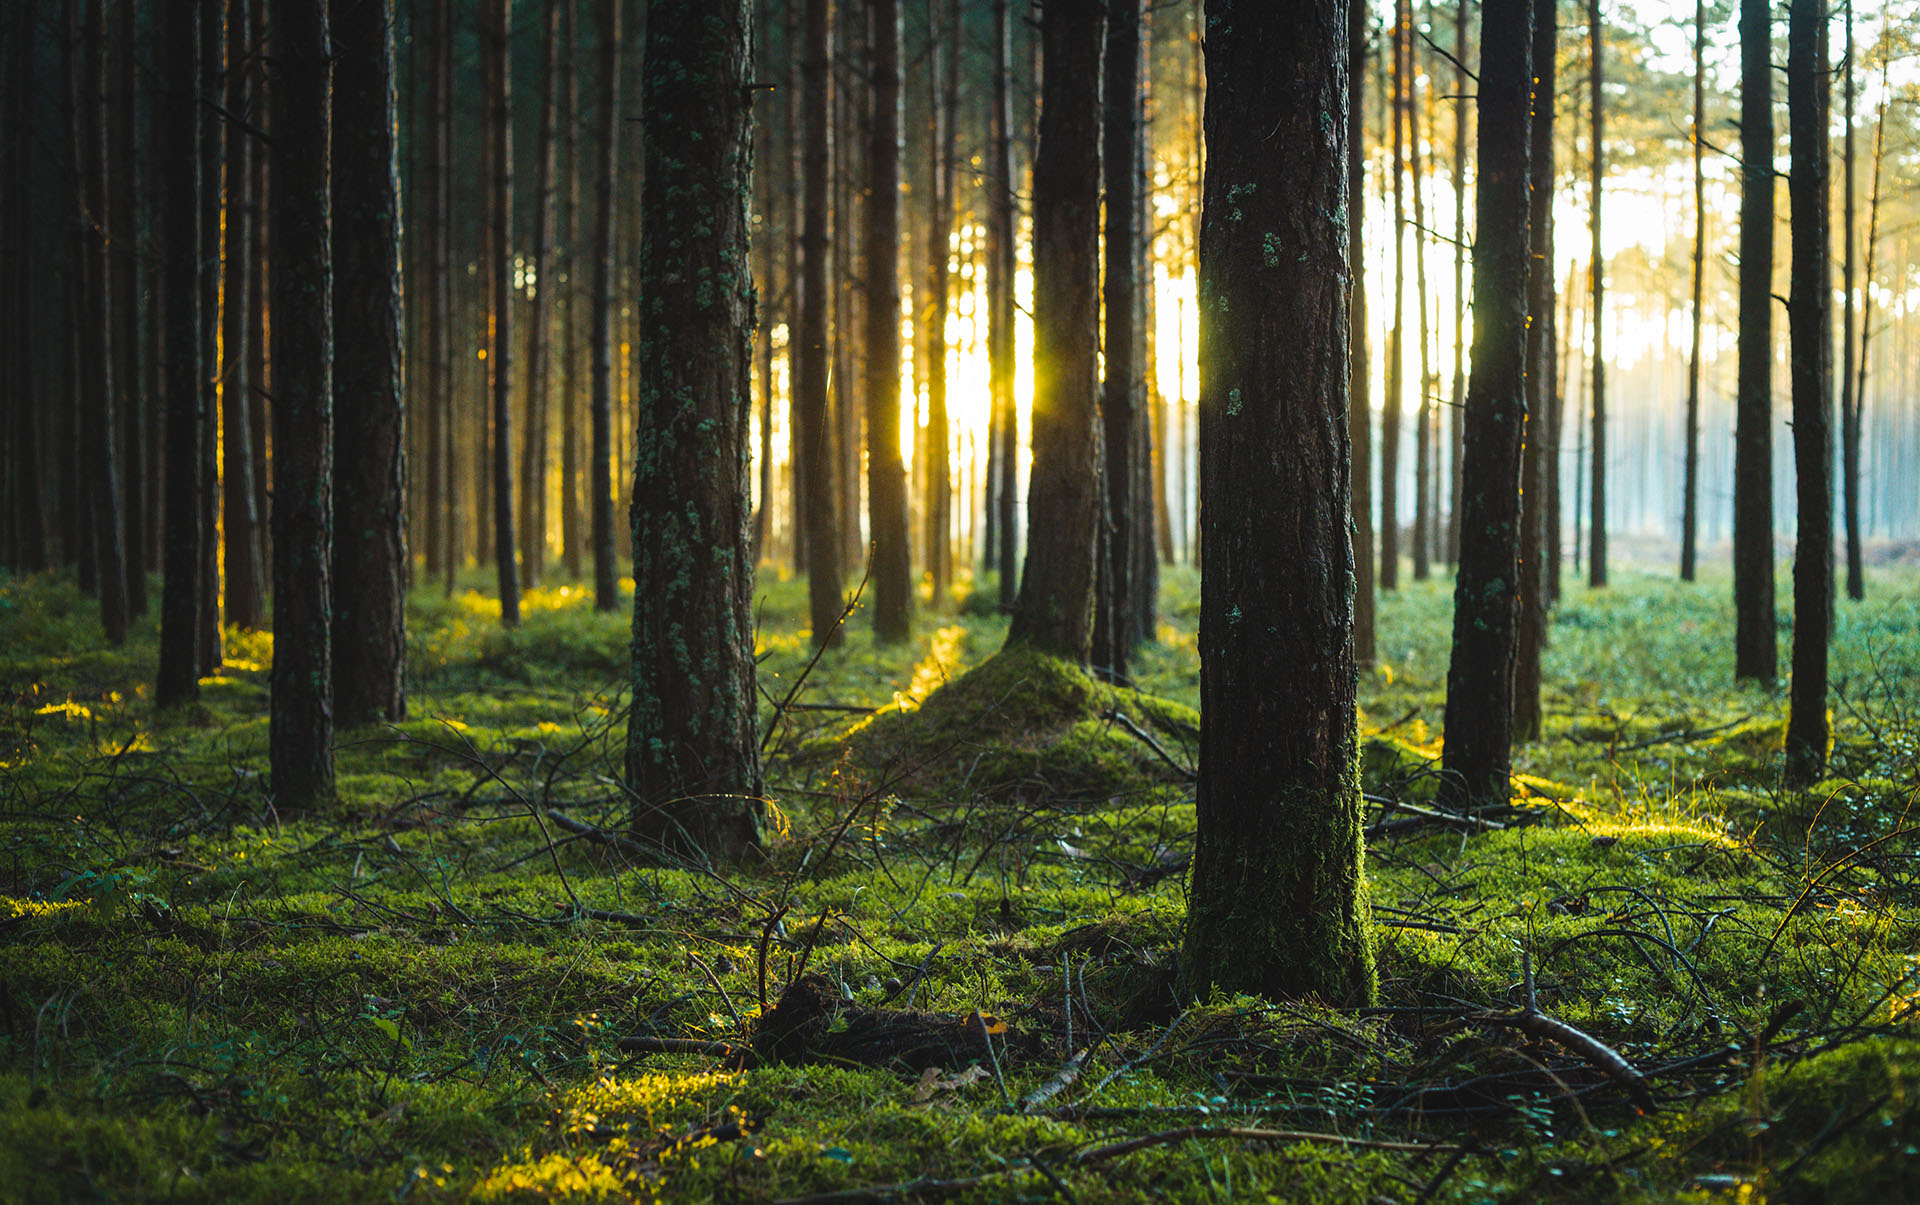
(944, 105)
(886, 474)
(1275, 900)
(1477, 759)
(301, 722)
(1423, 450)
(370, 455)
(1690, 487)
(1535, 518)
(1849, 396)
(128, 288)
(245, 597)
(606, 582)
(572, 530)
(496, 68)
(1390, 406)
(1462, 96)
(1597, 266)
(1810, 325)
(815, 464)
(1359, 387)
(1755, 646)
(692, 739)
(96, 366)
(436, 311)
(1120, 409)
(177, 138)
(546, 277)
(212, 165)
(1003, 537)
(1055, 610)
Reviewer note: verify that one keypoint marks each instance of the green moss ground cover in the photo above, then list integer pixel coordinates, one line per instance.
(421, 994)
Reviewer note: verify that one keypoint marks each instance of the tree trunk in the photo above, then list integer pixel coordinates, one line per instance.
(1423, 450)
(849, 135)
(301, 723)
(370, 560)
(1396, 348)
(1462, 95)
(886, 474)
(1849, 397)
(1866, 280)
(1274, 907)
(177, 138)
(1755, 647)
(606, 581)
(1359, 389)
(1055, 610)
(1810, 325)
(436, 338)
(533, 446)
(1003, 537)
(943, 102)
(245, 597)
(1120, 411)
(815, 464)
(1477, 759)
(1597, 267)
(26, 499)
(1531, 638)
(572, 532)
(96, 366)
(212, 165)
(127, 287)
(1690, 488)
(495, 65)
(692, 739)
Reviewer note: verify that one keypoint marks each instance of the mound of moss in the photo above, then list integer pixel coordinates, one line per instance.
(1024, 726)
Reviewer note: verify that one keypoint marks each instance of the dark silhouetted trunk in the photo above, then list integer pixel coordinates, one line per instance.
(370, 456)
(101, 466)
(497, 86)
(572, 530)
(1359, 406)
(1690, 485)
(1810, 326)
(815, 444)
(301, 724)
(1055, 610)
(943, 102)
(437, 307)
(1535, 519)
(1597, 267)
(692, 738)
(1849, 398)
(606, 578)
(1756, 652)
(1396, 348)
(1462, 96)
(1003, 517)
(129, 276)
(1479, 720)
(177, 145)
(26, 504)
(1275, 903)
(533, 447)
(245, 596)
(1120, 410)
(212, 164)
(886, 474)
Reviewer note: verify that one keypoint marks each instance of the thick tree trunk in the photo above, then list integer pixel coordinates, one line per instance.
(1479, 720)
(301, 723)
(886, 474)
(1055, 610)
(1531, 638)
(1597, 267)
(212, 165)
(692, 739)
(1755, 647)
(1359, 388)
(815, 464)
(1275, 907)
(96, 366)
(177, 138)
(1003, 537)
(497, 86)
(533, 446)
(370, 456)
(1810, 324)
(606, 582)
(1690, 486)
(1120, 409)
(245, 596)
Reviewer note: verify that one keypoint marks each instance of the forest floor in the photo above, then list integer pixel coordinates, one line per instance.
(1661, 976)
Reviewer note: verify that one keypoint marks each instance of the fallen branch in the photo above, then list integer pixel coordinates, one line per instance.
(1604, 1058)
(1141, 734)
